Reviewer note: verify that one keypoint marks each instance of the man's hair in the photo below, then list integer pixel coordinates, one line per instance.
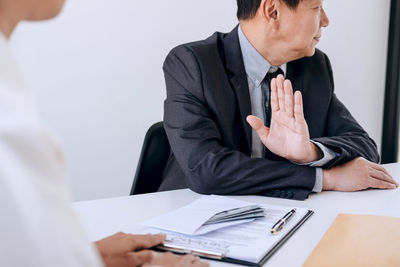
(247, 9)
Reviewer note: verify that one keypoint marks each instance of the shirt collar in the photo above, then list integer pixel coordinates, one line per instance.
(255, 64)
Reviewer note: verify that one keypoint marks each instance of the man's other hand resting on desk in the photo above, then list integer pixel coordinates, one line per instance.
(357, 174)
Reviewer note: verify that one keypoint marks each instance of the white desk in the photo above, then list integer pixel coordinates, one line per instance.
(106, 216)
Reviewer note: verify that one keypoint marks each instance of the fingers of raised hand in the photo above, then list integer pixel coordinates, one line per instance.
(282, 98)
(298, 107)
(258, 126)
(255, 122)
(274, 96)
(281, 93)
(288, 98)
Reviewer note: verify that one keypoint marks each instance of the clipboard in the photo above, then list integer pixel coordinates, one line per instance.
(219, 256)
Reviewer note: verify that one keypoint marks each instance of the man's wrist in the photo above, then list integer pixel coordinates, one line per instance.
(327, 180)
(314, 154)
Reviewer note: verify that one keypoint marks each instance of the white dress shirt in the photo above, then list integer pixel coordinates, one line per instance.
(38, 226)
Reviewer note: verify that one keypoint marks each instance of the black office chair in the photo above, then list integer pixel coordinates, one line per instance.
(152, 161)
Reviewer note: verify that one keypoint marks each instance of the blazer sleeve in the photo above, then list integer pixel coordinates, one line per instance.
(344, 135)
(209, 167)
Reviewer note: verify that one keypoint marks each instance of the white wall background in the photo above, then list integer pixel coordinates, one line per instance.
(97, 71)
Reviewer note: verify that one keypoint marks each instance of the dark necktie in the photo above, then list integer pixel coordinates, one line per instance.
(266, 88)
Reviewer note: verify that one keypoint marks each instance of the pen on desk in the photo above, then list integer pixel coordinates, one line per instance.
(279, 225)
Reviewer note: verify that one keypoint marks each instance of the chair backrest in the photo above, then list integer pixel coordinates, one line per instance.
(152, 161)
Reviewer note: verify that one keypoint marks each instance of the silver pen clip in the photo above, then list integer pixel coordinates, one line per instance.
(194, 251)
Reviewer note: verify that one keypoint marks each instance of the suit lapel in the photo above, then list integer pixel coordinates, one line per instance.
(294, 76)
(238, 79)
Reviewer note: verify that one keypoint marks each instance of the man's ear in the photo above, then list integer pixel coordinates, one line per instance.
(269, 9)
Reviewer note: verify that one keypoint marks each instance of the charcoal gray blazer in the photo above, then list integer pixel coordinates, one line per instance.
(205, 120)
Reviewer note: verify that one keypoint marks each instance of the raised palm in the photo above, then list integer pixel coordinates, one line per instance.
(288, 134)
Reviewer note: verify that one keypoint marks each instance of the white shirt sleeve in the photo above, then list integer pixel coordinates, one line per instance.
(38, 226)
(328, 155)
(318, 180)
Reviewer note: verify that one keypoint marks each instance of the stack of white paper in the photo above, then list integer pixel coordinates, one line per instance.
(245, 240)
(193, 219)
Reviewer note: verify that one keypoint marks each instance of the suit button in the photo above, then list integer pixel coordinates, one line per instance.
(277, 193)
(290, 194)
(283, 194)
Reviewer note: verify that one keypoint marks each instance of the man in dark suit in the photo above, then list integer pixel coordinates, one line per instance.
(294, 148)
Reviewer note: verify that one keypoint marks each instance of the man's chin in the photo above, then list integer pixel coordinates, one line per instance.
(301, 53)
(310, 52)
(47, 12)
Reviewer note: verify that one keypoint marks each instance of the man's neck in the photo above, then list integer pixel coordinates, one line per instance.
(10, 15)
(262, 41)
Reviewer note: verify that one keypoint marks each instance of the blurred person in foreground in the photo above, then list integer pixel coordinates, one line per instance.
(38, 226)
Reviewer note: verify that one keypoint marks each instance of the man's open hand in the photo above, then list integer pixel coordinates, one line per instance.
(288, 134)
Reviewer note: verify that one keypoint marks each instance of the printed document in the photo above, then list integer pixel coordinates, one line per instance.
(190, 219)
(247, 241)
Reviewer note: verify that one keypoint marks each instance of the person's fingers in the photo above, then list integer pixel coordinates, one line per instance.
(197, 262)
(202, 264)
(145, 241)
(166, 259)
(258, 126)
(298, 107)
(379, 167)
(281, 94)
(382, 169)
(378, 174)
(140, 257)
(377, 183)
(190, 260)
(289, 98)
(274, 96)
(255, 122)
